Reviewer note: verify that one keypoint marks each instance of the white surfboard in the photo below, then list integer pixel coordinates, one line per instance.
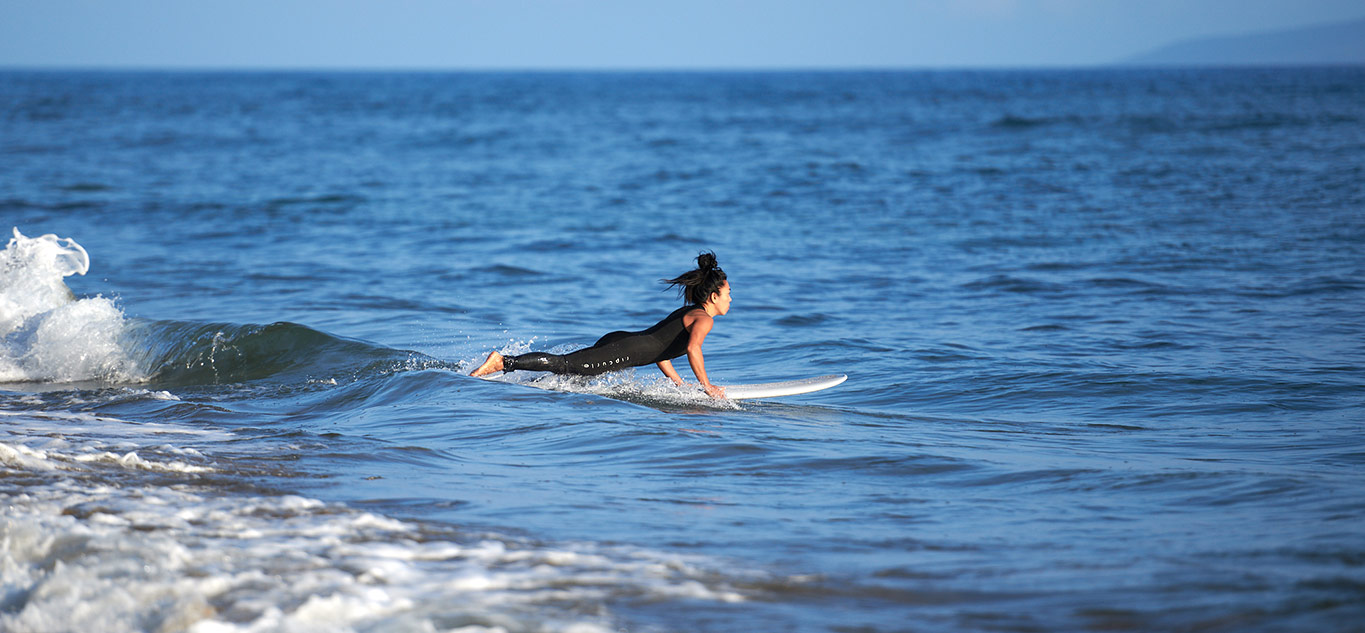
(784, 388)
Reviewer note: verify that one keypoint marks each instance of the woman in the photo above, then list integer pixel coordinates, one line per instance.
(708, 295)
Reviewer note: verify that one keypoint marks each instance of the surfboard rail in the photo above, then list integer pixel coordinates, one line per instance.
(783, 388)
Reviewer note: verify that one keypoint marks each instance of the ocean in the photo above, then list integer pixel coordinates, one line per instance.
(1104, 332)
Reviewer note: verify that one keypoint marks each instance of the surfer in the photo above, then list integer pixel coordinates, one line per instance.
(707, 293)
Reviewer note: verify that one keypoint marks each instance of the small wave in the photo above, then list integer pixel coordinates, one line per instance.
(320, 200)
(511, 271)
(86, 187)
(25, 458)
(1149, 124)
(663, 142)
(1321, 285)
(132, 461)
(1253, 123)
(1236, 123)
(182, 353)
(550, 245)
(464, 139)
(1013, 122)
(1008, 283)
(675, 238)
(1124, 282)
(803, 320)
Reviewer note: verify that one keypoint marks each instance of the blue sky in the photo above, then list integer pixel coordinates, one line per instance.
(622, 34)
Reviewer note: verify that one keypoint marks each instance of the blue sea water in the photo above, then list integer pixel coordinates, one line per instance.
(1104, 332)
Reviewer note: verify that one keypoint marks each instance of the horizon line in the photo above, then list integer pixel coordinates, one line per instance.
(225, 69)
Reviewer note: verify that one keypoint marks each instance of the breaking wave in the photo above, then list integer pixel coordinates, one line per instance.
(48, 335)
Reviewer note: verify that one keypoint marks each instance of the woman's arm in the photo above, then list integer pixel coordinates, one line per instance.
(666, 366)
(697, 331)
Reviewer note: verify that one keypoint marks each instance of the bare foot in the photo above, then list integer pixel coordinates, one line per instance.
(494, 363)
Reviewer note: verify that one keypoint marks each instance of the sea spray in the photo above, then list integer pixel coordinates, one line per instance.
(31, 273)
(46, 333)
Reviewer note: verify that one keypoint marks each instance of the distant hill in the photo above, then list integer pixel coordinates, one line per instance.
(1338, 43)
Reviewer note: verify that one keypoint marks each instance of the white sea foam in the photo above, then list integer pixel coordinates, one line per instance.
(59, 424)
(96, 539)
(629, 385)
(46, 333)
(24, 457)
(75, 556)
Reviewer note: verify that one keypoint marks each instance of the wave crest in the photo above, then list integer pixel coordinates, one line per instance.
(46, 333)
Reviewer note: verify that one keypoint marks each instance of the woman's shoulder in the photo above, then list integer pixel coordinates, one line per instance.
(680, 319)
(683, 312)
(692, 315)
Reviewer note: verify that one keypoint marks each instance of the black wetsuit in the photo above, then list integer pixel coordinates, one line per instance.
(665, 340)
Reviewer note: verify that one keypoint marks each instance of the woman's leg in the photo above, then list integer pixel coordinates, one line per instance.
(538, 361)
(535, 361)
(617, 350)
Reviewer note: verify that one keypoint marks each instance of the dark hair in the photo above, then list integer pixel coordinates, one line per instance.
(698, 285)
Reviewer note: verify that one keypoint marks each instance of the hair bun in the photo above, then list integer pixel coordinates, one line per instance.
(699, 284)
